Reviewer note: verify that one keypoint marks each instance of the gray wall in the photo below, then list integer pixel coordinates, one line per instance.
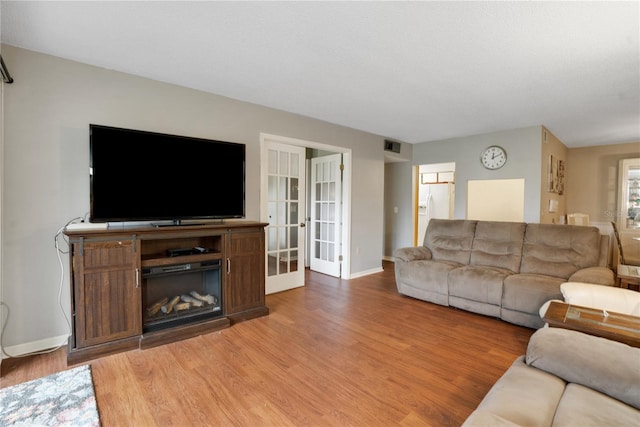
(523, 148)
(47, 111)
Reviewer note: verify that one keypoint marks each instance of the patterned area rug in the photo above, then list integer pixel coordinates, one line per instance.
(63, 399)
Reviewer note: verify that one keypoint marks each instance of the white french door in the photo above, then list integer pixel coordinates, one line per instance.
(284, 184)
(326, 208)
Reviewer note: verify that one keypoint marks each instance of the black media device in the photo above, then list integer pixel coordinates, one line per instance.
(186, 251)
(146, 176)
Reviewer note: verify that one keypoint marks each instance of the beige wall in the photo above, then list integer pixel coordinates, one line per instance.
(592, 179)
(592, 186)
(551, 146)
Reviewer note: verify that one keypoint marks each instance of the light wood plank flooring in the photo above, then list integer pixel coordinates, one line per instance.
(334, 353)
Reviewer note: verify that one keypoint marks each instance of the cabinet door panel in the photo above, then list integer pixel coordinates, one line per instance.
(245, 276)
(107, 294)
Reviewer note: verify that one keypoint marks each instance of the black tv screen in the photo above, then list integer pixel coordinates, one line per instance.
(145, 176)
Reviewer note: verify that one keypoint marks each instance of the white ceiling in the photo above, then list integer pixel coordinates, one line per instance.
(411, 71)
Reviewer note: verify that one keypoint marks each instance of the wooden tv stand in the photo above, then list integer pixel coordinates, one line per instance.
(110, 271)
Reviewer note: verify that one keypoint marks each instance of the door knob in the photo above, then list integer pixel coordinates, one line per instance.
(302, 224)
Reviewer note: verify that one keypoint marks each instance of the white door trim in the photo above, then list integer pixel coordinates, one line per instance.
(346, 190)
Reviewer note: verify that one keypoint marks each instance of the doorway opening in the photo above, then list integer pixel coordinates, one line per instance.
(434, 196)
(286, 182)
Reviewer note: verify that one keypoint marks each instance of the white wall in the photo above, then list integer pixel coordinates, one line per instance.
(46, 183)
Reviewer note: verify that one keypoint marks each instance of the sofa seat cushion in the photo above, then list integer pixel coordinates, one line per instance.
(578, 358)
(481, 284)
(585, 407)
(425, 280)
(523, 396)
(596, 275)
(426, 274)
(528, 292)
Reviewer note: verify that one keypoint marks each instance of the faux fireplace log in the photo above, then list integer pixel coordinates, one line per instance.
(168, 308)
(155, 308)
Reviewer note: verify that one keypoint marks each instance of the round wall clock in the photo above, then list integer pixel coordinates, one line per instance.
(493, 157)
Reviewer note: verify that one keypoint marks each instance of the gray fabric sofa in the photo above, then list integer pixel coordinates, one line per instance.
(501, 269)
(566, 378)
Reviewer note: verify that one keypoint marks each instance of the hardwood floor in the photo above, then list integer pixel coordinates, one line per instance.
(334, 353)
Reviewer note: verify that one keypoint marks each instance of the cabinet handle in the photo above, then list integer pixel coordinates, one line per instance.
(137, 278)
(228, 265)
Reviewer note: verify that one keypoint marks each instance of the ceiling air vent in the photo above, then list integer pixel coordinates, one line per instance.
(392, 146)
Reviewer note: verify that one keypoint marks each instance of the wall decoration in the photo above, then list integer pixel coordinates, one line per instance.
(551, 174)
(555, 175)
(496, 200)
(560, 177)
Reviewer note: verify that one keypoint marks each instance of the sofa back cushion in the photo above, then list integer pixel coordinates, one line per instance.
(450, 239)
(559, 250)
(498, 244)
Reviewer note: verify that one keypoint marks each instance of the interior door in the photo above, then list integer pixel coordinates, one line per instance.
(283, 182)
(326, 206)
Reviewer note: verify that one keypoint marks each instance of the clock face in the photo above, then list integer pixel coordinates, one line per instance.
(493, 157)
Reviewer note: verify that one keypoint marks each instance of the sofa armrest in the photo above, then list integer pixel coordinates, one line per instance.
(607, 366)
(596, 275)
(413, 253)
(522, 396)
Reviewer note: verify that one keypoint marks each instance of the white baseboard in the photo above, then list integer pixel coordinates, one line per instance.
(35, 346)
(366, 273)
(388, 258)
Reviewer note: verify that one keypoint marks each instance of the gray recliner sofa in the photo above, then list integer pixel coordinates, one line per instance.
(501, 269)
(566, 378)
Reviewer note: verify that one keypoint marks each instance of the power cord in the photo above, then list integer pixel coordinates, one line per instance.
(59, 251)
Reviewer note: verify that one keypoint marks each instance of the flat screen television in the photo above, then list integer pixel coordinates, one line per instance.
(146, 176)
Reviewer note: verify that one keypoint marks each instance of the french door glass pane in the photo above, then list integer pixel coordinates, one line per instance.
(294, 261)
(293, 189)
(282, 188)
(280, 217)
(293, 213)
(282, 238)
(272, 190)
(272, 242)
(295, 170)
(283, 265)
(284, 163)
(273, 265)
(273, 162)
